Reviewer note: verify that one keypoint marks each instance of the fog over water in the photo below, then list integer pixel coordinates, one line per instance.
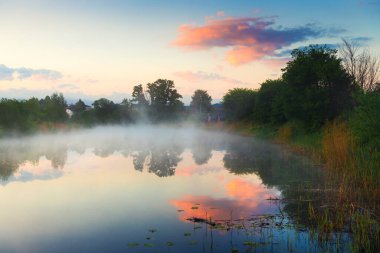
(106, 189)
(105, 141)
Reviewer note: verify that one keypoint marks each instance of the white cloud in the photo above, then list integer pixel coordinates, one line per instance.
(10, 74)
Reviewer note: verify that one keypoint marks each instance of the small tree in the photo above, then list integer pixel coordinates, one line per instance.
(201, 102)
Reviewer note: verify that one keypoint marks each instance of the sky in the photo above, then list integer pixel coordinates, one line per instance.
(102, 48)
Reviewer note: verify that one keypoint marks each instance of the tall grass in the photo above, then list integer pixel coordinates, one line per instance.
(354, 174)
(337, 145)
(351, 169)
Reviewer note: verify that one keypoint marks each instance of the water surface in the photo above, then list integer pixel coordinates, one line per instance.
(153, 189)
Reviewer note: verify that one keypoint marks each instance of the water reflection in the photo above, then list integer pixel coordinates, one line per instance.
(299, 180)
(243, 198)
(13, 155)
(161, 153)
(120, 174)
(202, 148)
(139, 158)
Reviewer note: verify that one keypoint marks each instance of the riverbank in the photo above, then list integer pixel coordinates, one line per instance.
(350, 169)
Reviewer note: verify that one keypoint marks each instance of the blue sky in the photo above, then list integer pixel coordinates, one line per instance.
(93, 49)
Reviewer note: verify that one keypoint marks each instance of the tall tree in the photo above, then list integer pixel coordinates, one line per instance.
(318, 87)
(164, 99)
(138, 96)
(360, 64)
(201, 102)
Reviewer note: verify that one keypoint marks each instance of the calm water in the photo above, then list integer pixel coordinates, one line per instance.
(153, 189)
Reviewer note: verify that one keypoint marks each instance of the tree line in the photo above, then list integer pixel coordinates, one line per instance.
(317, 86)
(157, 102)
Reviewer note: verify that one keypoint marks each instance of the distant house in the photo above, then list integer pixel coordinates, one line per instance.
(69, 112)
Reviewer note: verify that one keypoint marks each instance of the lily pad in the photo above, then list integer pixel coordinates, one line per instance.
(169, 244)
(133, 244)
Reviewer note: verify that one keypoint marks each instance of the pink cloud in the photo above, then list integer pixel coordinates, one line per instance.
(247, 39)
(244, 54)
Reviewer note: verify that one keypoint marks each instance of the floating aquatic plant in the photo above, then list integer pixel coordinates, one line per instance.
(133, 244)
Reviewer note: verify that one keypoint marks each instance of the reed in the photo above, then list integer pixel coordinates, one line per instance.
(337, 145)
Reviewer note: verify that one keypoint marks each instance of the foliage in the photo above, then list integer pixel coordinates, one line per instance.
(318, 88)
(239, 103)
(164, 99)
(269, 102)
(201, 102)
(106, 111)
(79, 107)
(54, 108)
(25, 115)
(138, 96)
(125, 109)
(13, 114)
(365, 121)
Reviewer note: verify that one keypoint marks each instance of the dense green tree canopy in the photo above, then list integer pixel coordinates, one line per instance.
(318, 87)
(105, 110)
(365, 121)
(269, 102)
(239, 103)
(55, 108)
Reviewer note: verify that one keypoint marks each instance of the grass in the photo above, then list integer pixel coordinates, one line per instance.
(351, 168)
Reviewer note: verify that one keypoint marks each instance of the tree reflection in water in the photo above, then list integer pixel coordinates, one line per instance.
(299, 179)
(160, 154)
(164, 161)
(13, 155)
